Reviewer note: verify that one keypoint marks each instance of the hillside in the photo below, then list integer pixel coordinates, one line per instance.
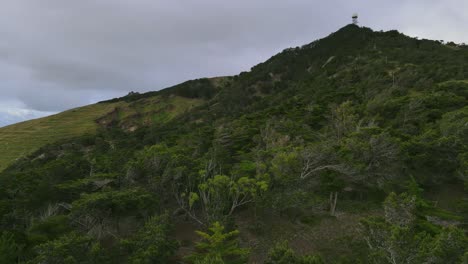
(131, 111)
(350, 149)
(21, 139)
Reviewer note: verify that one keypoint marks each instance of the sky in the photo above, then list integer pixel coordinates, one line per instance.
(56, 54)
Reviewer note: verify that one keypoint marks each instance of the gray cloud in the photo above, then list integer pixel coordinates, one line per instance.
(57, 54)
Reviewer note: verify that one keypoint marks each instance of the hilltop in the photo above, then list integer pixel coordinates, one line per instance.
(352, 148)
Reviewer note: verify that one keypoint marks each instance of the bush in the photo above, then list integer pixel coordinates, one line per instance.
(152, 244)
(281, 253)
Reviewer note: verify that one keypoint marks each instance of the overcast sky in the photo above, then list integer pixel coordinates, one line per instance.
(57, 54)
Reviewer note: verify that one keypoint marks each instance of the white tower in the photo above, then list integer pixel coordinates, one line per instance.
(355, 17)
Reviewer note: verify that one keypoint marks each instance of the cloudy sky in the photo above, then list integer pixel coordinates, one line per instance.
(56, 54)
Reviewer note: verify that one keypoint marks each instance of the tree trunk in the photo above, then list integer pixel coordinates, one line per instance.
(333, 200)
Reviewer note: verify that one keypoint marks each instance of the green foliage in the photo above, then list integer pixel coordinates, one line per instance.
(114, 203)
(400, 210)
(218, 244)
(281, 253)
(70, 249)
(398, 238)
(372, 154)
(221, 195)
(354, 116)
(433, 159)
(446, 247)
(48, 229)
(285, 167)
(152, 244)
(396, 244)
(200, 88)
(9, 249)
(210, 260)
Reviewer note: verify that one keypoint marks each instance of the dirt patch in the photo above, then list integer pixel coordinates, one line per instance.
(322, 236)
(185, 234)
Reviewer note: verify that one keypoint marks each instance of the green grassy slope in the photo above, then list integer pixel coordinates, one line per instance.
(21, 139)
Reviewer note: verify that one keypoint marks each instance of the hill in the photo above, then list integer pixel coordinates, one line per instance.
(350, 149)
(130, 112)
(23, 138)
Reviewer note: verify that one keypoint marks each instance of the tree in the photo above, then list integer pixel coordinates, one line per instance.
(9, 250)
(218, 244)
(285, 166)
(70, 249)
(221, 195)
(448, 246)
(343, 120)
(391, 244)
(158, 165)
(393, 238)
(372, 156)
(400, 210)
(50, 228)
(366, 157)
(152, 244)
(453, 125)
(434, 158)
(398, 238)
(96, 211)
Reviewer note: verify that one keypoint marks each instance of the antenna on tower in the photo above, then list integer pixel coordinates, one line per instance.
(355, 17)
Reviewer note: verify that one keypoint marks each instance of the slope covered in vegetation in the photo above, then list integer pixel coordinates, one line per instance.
(23, 138)
(130, 112)
(350, 149)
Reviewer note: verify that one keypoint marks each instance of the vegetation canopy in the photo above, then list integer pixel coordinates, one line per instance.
(350, 149)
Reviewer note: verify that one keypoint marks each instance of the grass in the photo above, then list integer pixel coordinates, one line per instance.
(21, 139)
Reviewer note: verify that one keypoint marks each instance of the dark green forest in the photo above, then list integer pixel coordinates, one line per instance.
(350, 149)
